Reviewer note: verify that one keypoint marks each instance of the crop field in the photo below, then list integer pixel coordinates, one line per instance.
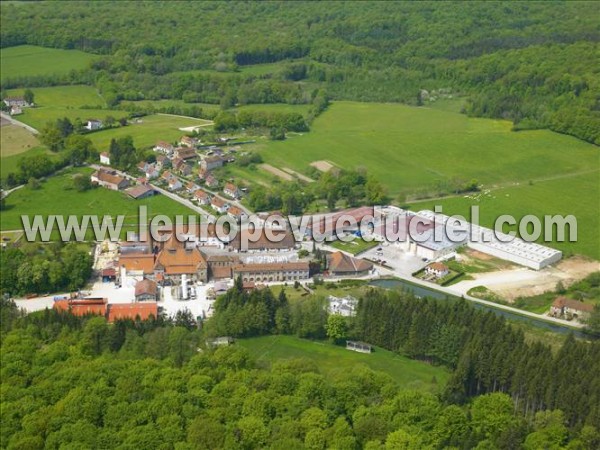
(335, 361)
(15, 140)
(55, 193)
(409, 148)
(577, 195)
(30, 60)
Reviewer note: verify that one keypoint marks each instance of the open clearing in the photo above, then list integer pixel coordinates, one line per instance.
(409, 148)
(15, 140)
(323, 166)
(577, 195)
(30, 60)
(520, 282)
(148, 131)
(337, 362)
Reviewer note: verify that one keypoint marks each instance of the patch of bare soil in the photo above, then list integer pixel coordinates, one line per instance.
(323, 166)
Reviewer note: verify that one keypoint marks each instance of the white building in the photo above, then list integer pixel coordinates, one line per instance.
(345, 306)
(503, 246)
(105, 158)
(93, 124)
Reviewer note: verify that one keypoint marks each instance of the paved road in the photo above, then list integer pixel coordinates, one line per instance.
(521, 312)
(185, 202)
(17, 123)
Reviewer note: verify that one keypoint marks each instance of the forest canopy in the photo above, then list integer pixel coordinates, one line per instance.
(534, 63)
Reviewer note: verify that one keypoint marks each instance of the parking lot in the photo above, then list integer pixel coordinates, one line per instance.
(402, 263)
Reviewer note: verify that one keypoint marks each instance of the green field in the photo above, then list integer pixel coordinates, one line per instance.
(276, 107)
(409, 148)
(10, 163)
(64, 96)
(148, 131)
(577, 195)
(15, 139)
(167, 103)
(355, 246)
(336, 361)
(55, 197)
(30, 60)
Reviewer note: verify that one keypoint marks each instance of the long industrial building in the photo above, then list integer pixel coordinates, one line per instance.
(486, 240)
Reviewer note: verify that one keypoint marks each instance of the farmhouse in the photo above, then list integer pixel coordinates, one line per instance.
(237, 213)
(163, 147)
(211, 181)
(185, 153)
(177, 163)
(211, 162)
(109, 179)
(140, 191)
(146, 290)
(174, 184)
(290, 271)
(231, 190)
(202, 197)
(162, 162)
(191, 187)
(185, 170)
(105, 158)
(93, 124)
(16, 101)
(341, 265)
(188, 141)
(437, 269)
(568, 307)
(219, 205)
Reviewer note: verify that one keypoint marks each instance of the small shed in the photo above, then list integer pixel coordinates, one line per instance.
(220, 341)
(360, 347)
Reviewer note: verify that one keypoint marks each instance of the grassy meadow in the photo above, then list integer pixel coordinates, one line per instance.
(15, 140)
(148, 131)
(577, 195)
(10, 163)
(56, 196)
(409, 148)
(30, 60)
(337, 362)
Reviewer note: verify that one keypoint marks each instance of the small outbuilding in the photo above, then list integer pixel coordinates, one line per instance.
(358, 346)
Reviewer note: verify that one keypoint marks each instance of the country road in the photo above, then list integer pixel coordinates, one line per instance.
(18, 124)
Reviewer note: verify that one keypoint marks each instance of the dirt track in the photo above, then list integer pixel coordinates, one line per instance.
(277, 172)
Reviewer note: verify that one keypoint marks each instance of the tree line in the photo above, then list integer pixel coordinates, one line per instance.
(41, 268)
(80, 382)
(529, 63)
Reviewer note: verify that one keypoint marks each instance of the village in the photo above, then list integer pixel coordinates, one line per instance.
(141, 278)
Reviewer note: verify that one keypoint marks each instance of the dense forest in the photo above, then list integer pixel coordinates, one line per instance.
(486, 354)
(82, 383)
(535, 63)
